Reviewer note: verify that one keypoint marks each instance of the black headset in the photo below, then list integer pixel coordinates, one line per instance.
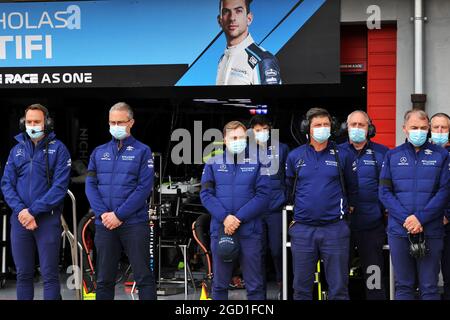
(49, 124)
(417, 245)
(306, 123)
(371, 133)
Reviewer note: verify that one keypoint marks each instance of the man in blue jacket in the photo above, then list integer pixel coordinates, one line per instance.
(235, 191)
(118, 184)
(440, 126)
(414, 188)
(323, 183)
(367, 219)
(34, 184)
(274, 154)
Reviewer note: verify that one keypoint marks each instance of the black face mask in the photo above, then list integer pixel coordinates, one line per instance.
(417, 245)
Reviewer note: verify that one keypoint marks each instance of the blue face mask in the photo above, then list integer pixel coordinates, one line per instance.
(417, 137)
(357, 135)
(262, 136)
(321, 134)
(35, 132)
(118, 132)
(237, 146)
(440, 139)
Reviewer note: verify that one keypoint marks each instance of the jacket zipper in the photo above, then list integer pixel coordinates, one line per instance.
(31, 173)
(415, 181)
(116, 158)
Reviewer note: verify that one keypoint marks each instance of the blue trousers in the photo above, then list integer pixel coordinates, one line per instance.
(46, 239)
(407, 269)
(331, 244)
(370, 248)
(272, 224)
(250, 262)
(445, 263)
(135, 241)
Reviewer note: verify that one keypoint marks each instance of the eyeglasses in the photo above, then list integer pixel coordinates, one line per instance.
(118, 123)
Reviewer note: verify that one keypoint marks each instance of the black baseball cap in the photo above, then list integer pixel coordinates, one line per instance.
(228, 247)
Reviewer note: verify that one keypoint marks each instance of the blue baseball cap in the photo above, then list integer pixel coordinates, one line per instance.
(228, 247)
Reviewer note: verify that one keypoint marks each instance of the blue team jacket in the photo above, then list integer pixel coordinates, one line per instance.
(25, 182)
(319, 197)
(241, 189)
(121, 180)
(415, 183)
(274, 157)
(368, 213)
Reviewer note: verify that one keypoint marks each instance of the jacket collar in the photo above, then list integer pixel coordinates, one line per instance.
(25, 139)
(239, 47)
(410, 146)
(368, 145)
(330, 145)
(125, 142)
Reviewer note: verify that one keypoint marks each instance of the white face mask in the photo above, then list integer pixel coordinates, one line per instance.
(237, 146)
(262, 136)
(118, 132)
(321, 134)
(35, 132)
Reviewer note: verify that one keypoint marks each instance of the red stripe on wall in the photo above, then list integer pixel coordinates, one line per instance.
(381, 82)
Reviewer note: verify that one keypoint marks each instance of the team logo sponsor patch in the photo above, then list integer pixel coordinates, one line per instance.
(20, 153)
(271, 73)
(428, 152)
(222, 168)
(247, 169)
(300, 163)
(106, 157)
(429, 162)
(49, 151)
(403, 161)
(369, 162)
(331, 163)
(252, 61)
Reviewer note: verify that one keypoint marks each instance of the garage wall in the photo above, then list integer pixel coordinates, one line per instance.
(437, 50)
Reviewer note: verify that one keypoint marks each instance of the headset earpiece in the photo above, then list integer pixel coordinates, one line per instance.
(304, 127)
(49, 125)
(22, 126)
(372, 131)
(334, 126)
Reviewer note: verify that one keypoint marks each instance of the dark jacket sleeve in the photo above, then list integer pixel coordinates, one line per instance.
(9, 184)
(387, 195)
(259, 203)
(269, 71)
(351, 180)
(438, 203)
(290, 177)
(91, 189)
(208, 195)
